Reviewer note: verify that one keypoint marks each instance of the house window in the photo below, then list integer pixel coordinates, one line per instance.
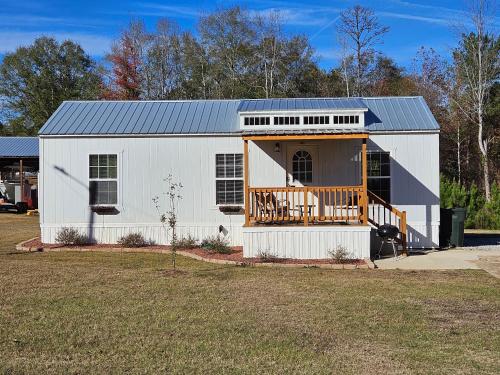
(302, 167)
(103, 179)
(229, 179)
(257, 121)
(346, 119)
(379, 174)
(316, 120)
(286, 120)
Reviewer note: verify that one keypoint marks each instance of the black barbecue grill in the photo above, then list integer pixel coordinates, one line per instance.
(388, 233)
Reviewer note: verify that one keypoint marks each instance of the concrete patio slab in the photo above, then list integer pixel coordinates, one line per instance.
(482, 257)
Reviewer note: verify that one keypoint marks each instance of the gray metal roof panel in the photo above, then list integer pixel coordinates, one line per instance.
(283, 104)
(221, 116)
(399, 114)
(12, 147)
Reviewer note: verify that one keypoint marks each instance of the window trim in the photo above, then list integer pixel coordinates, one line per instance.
(117, 179)
(242, 179)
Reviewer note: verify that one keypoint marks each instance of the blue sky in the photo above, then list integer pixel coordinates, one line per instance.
(94, 24)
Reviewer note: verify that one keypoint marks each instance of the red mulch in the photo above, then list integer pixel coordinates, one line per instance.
(236, 255)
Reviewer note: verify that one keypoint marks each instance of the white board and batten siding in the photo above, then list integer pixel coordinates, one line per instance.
(143, 163)
(414, 182)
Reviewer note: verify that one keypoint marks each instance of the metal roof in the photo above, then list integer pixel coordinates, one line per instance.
(222, 116)
(18, 147)
(285, 104)
(144, 117)
(399, 114)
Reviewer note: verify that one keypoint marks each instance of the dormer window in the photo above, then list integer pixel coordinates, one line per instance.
(303, 119)
(253, 120)
(286, 120)
(316, 120)
(341, 120)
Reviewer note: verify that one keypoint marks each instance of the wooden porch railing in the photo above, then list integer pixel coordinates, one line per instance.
(380, 212)
(309, 204)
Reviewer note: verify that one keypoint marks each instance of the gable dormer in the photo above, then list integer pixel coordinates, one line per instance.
(295, 114)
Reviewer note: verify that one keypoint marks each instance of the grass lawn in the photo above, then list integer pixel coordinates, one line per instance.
(118, 313)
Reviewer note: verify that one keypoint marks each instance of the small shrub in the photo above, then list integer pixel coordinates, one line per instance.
(133, 240)
(216, 244)
(186, 242)
(71, 236)
(266, 256)
(340, 255)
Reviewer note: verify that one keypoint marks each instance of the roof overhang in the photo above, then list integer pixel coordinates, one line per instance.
(289, 136)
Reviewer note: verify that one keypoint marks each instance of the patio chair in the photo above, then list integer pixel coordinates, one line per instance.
(269, 206)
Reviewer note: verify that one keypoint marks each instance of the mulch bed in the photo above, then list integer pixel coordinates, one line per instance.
(235, 256)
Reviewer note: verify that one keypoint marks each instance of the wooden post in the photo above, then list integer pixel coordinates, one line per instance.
(403, 232)
(21, 180)
(306, 207)
(364, 168)
(245, 182)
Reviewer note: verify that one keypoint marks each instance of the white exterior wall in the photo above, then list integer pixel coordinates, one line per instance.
(414, 182)
(143, 162)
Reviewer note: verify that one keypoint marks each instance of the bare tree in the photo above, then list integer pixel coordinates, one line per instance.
(268, 52)
(360, 28)
(346, 65)
(478, 68)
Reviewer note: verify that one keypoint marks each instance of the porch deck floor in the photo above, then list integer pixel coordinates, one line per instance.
(301, 224)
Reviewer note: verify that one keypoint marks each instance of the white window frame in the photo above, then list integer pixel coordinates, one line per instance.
(311, 171)
(228, 179)
(301, 113)
(117, 179)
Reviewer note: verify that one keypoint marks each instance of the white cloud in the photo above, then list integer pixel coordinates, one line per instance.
(95, 45)
(433, 20)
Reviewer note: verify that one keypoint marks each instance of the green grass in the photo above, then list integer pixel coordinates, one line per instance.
(119, 313)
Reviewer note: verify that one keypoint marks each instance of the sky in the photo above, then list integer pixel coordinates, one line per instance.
(95, 24)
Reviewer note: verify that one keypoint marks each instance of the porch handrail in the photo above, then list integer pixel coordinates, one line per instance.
(374, 217)
(305, 204)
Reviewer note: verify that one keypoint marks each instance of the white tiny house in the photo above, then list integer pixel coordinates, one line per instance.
(293, 177)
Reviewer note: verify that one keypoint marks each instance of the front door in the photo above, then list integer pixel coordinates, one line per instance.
(303, 170)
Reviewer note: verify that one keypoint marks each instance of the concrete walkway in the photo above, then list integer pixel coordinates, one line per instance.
(481, 257)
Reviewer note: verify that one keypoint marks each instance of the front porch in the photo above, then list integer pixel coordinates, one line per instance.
(308, 217)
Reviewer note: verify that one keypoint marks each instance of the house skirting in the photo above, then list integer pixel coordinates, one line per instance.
(110, 233)
(312, 242)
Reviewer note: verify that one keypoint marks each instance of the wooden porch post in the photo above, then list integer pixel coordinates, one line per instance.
(245, 182)
(364, 168)
(21, 180)
(403, 233)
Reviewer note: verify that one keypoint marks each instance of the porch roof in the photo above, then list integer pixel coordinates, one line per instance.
(305, 134)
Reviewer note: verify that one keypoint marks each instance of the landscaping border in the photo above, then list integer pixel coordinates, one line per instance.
(349, 266)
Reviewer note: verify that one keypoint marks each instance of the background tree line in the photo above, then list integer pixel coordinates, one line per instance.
(240, 54)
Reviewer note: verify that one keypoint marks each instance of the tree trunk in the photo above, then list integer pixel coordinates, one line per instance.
(483, 148)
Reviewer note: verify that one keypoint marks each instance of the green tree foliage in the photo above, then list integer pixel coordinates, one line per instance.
(480, 213)
(34, 81)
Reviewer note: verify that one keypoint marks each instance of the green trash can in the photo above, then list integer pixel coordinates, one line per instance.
(457, 226)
